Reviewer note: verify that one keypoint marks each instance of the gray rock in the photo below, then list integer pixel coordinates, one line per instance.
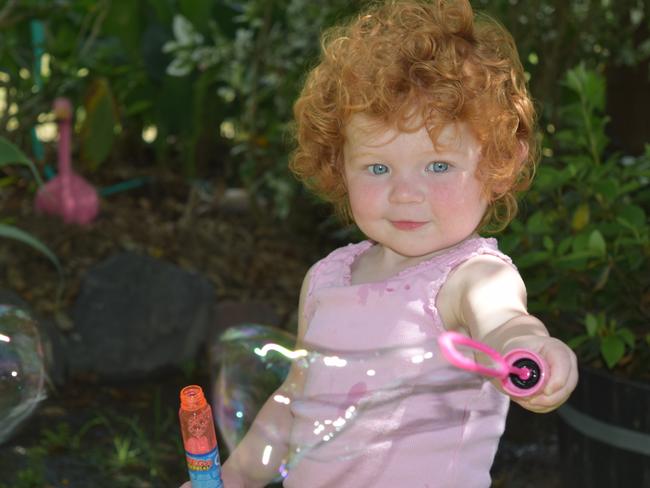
(136, 314)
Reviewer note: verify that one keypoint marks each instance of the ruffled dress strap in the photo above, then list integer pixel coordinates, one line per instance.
(335, 268)
(456, 256)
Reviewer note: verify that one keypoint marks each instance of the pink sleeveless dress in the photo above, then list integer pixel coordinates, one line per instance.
(381, 408)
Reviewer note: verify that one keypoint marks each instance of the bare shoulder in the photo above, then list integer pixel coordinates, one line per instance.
(482, 292)
(483, 270)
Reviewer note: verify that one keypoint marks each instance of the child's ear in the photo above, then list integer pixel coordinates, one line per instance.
(523, 151)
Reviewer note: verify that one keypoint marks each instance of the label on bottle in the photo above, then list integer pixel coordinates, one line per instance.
(204, 469)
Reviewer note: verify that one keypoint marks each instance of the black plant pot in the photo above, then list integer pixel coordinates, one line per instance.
(604, 433)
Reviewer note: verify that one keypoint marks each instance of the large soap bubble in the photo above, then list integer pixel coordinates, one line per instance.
(246, 379)
(341, 405)
(22, 372)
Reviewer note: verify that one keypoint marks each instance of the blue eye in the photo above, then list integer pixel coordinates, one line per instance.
(438, 167)
(378, 169)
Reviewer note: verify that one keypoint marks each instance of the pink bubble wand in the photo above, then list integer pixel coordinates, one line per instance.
(522, 372)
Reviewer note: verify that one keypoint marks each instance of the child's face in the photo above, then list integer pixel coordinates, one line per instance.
(405, 194)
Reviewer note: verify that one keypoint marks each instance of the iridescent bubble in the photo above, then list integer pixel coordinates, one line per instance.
(246, 378)
(22, 372)
(341, 406)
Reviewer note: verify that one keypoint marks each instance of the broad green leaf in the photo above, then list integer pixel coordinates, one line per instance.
(537, 224)
(594, 90)
(597, 243)
(10, 154)
(531, 259)
(564, 245)
(575, 78)
(98, 130)
(548, 243)
(612, 349)
(548, 178)
(580, 243)
(580, 217)
(591, 324)
(628, 336)
(576, 342)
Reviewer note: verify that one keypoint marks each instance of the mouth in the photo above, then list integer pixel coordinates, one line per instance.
(406, 224)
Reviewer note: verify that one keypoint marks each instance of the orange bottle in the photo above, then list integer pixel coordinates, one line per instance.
(199, 439)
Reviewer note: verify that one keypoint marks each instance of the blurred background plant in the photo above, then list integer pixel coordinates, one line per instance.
(582, 241)
(205, 87)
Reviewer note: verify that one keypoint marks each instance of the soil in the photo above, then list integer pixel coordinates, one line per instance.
(93, 433)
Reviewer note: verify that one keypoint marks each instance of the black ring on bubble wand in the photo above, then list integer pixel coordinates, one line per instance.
(522, 372)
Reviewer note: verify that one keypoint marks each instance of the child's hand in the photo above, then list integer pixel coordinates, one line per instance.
(562, 374)
(230, 478)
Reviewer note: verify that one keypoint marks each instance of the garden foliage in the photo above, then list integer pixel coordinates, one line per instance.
(582, 241)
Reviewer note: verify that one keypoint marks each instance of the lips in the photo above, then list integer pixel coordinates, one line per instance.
(406, 224)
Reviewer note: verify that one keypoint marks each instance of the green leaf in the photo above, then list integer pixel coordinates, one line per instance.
(577, 341)
(10, 154)
(580, 217)
(628, 336)
(612, 349)
(564, 245)
(548, 178)
(11, 232)
(98, 130)
(597, 243)
(575, 78)
(537, 224)
(591, 324)
(548, 243)
(594, 89)
(532, 258)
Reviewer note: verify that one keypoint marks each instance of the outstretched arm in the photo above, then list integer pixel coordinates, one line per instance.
(486, 297)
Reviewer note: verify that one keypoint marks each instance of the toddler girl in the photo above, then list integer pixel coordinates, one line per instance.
(417, 125)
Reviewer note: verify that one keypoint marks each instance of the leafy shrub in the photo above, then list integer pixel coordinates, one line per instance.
(583, 241)
(255, 65)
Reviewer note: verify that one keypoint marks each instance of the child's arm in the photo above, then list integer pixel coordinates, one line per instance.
(256, 459)
(487, 297)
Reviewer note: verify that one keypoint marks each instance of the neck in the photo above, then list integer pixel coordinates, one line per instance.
(64, 146)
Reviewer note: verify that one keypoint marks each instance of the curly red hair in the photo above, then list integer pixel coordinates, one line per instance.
(434, 57)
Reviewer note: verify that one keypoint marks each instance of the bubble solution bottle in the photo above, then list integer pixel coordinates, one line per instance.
(199, 439)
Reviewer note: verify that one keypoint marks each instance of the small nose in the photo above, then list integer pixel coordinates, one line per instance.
(406, 190)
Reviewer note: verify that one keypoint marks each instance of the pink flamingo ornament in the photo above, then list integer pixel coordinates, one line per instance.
(67, 195)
